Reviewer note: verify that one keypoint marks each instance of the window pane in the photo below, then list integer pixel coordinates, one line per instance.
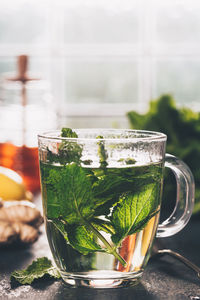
(6, 65)
(178, 22)
(101, 23)
(88, 122)
(102, 81)
(40, 67)
(22, 22)
(179, 78)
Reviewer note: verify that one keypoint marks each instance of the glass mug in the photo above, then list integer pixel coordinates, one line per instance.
(101, 191)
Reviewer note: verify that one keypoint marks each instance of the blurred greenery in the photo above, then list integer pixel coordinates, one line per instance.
(182, 127)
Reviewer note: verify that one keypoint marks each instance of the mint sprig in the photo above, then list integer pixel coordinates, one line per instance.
(85, 203)
(72, 183)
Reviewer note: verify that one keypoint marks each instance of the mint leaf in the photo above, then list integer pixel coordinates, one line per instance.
(82, 240)
(108, 187)
(68, 151)
(119, 180)
(39, 268)
(102, 153)
(69, 193)
(141, 224)
(60, 225)
(68, 132)
(133, 212)
(103, 225)
(71, 201)
(106, 192)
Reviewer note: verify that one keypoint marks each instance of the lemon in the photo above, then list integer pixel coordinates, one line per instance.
(11, 186)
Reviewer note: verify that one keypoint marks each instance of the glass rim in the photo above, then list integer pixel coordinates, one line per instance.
(148, 135)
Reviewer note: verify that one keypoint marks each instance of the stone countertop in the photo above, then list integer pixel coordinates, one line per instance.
(164, 278)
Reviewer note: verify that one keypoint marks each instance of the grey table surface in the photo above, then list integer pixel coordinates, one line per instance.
(164, 278)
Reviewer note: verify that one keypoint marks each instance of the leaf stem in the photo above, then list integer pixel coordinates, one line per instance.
(110, 249)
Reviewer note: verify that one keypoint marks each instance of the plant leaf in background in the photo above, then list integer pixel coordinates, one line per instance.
(182, 127)
(40, 268)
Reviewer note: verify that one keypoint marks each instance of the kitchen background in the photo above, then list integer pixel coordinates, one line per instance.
(105, 58)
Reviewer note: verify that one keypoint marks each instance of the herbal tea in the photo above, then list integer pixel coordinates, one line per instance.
(100, 219)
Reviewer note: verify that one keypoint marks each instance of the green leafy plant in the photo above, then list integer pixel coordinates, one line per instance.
(182, 127)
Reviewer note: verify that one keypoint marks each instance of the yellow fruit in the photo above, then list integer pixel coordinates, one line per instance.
(11, 186)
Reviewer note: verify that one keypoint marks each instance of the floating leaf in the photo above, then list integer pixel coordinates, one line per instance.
(82, 239)
(134, 211)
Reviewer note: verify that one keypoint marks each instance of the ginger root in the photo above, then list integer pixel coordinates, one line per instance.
(19, 222)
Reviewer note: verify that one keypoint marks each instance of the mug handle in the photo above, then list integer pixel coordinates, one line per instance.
(184, 198)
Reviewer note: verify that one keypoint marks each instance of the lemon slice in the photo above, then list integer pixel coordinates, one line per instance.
(11, 186)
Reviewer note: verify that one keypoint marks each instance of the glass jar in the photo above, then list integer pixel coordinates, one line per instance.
(26, 108)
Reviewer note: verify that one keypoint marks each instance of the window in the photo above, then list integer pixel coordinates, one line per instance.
(104, 58)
